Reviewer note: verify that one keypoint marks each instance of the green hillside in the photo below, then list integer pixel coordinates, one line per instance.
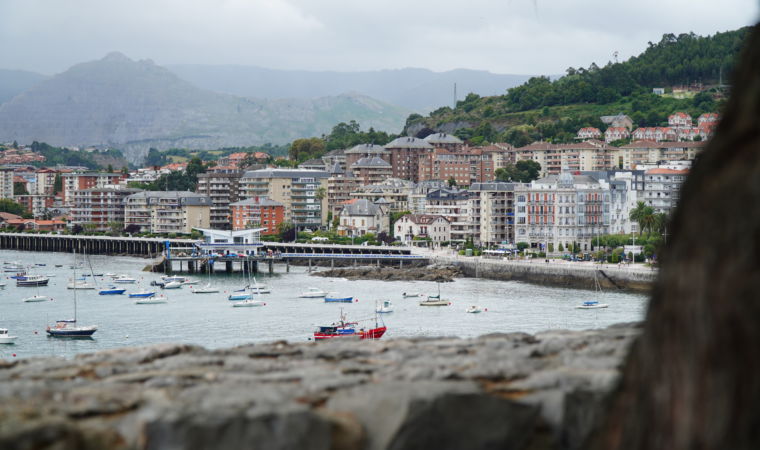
(555, 110)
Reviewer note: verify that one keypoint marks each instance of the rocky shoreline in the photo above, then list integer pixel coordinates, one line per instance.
(436, 272)
(513, 390)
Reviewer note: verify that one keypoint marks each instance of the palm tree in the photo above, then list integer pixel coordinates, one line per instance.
(637, 214)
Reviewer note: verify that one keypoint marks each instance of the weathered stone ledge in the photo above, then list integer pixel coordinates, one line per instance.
(514, 391)
(435, 272)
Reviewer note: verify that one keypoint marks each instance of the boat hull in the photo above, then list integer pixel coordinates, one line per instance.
(247, 304)
(374, 333)
(339, 300)
(150, 301)
(36, 298)
(599, 306)
(435, 303)
(74, 332)
(142, 295)
(31, 283)
(112, 292)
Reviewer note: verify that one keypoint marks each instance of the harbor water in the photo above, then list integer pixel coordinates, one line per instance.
(210, 320)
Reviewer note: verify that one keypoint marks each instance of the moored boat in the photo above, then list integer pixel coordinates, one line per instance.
(6, 338)
(37, 298)
(344, 329)
(247, 303)
(475, 309)
(155, 300)
(113, 290)
(69, 328)
(339, 300)
(313, 292)
(172, 285)
(207, 289)
(240, 294)
(142, 294)
(385, 307)
(80, 285)
(410, 295)
(32, 280)
(123, 279)
(592, 304)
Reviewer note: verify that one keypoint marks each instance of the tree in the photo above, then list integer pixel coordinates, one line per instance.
(76, 229)
(303, 149)
(132, 228)
(109, 169)
(522, 172)
(643, 215)
(451, 182)
(57, 183)
(19, 188)
(384, 238)
(286, 232)
(9, 206)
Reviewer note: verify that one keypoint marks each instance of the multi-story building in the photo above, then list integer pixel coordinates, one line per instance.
(371, 170)
(340, 184)
(37, 205)
(100, 206)
(257, 212)
(395, 191)
(418, 196)
(79, 181)
(562, 209)
(445, 141)
(360, 216)
(680, 120)
(303, 193)
(656, 134)
(456, 205)
(360, 151)
(662, 188)
(589, 133)
(167, 211)
(583, 156)
(501, 155)
(465, 166)
(422, 226)
(336, 157)
(405, 156)
(6, 182)
(612, 134)
(44, 181)
(493, 213)
(223, 189)
(650, 152)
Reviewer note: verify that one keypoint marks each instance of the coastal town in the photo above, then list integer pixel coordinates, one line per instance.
(432, 192)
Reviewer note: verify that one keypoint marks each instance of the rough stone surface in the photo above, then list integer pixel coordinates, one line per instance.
(515, 391)
(434, 272)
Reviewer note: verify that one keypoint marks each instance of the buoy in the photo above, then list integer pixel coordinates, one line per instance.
(486, 309)
(35, 332)
(127, 336)
(14, 355)
(265, 304)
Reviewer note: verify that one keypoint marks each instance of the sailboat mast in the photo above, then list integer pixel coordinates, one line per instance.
(75, 285)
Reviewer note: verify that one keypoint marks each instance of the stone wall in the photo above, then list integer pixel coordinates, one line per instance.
(554, 273)
(514, 391)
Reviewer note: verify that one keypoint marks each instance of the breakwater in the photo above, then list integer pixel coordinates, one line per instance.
(516, 390)
(554, 273)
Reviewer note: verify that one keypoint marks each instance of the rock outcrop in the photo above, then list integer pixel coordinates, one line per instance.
(436, 272)
(514, 391)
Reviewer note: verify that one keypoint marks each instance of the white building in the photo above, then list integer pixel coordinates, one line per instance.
(6, 182)
(361, 217)
(422, 226)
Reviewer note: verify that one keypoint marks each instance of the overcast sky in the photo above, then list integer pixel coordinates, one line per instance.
(502, 36)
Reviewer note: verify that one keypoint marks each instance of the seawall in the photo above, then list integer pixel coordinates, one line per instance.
(515, 390)
(556, 273)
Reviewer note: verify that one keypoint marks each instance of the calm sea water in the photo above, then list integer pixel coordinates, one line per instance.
(211, 321)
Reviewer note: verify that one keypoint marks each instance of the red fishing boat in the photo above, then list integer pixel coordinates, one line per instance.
(346, 329)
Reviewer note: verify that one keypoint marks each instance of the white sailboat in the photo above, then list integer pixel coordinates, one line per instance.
(594, 304)
(69, 327)
(435, 300)
(208, 288)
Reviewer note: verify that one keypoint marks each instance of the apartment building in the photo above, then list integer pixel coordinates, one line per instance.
(223, 187)
(167, 211)
(591, 155)
(6, 182)
(395, 191)
(405, 156)
(493, 213)
(37, 205)
(99, 206)
(79, 181)
(465, 166)
(662, 188)
(340, 184)
(444, 141)
(257, 212)
(371, 170)
(643, 152)
(44, 181)
(357, 152)
(303, 193)
(417, 199)
(456, 205)
(562, 209)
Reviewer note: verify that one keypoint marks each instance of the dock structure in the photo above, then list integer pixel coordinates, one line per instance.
(201, 256)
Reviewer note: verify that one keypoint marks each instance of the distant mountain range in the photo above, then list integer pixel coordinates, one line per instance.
(420, 90)
(135, 105)
(14, 82)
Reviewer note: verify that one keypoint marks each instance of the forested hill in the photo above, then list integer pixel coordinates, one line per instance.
(582, 95)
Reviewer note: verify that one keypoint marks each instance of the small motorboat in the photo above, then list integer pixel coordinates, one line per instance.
(240, 294)
(2, 285)
(385, 307)
(32, 280)
(592, 304)
(172, 285)
(59, 265)
(475, 309)
(339, 300)
(410, 295)
(113, 290)
(170, 278)
(142, 294)
(155, 300)
(313, 292)
(37, 298)
(5, 337)
(111, 274)
(79, 285)
(247, 303)
(207, 289)
(190, 282)
(69, 328)
(13, 267)
(158, 283)
(123, 279)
